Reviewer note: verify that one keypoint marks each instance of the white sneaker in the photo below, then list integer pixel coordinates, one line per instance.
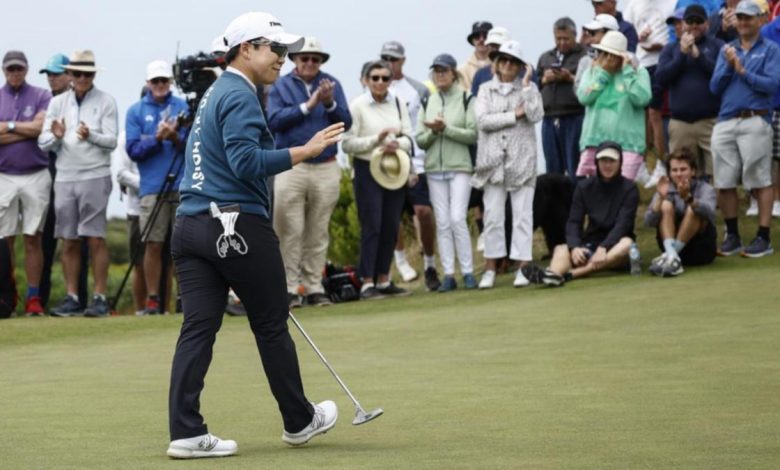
(481, 242)
(325, 416)
(753, 209)
(520, 280)
(642, 176)
(776, 209)
(207, 445)
(488, 280)
(658, 172)
(407, 272)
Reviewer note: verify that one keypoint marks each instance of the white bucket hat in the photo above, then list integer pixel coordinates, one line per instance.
(497, 36)
(603, 21)
(258, 24)
(390, 171)
(510, 48)
(311, 46)
(159, 69)
(613, 42)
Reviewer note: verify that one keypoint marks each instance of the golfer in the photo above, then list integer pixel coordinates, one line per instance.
(223, 238)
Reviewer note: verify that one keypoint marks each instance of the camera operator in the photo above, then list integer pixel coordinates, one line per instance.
(155, 141)
(223, 237)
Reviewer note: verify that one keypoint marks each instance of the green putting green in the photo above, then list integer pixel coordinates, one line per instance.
(610, 372)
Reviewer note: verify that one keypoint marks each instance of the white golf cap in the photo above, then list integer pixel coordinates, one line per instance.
(218, 45)
(259, 24)
(497, 36)
(603, 21)
(158, 69)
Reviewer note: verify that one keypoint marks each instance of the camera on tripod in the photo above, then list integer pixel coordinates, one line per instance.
(194, 75)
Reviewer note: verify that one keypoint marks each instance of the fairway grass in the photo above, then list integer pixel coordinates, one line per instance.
(607, 373)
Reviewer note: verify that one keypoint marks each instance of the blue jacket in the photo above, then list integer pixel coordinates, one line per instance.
(756, 88)
(628, 31)
(288, 123)
(230, 151)
(688, 79)
(771, 31)
(154, 158)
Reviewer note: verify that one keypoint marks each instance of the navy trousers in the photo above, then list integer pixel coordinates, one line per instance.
(561, 144)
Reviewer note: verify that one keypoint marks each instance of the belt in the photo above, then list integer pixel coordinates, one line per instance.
(748, 113)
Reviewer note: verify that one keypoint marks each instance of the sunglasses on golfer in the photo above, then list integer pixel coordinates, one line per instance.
(376, 78)
(277, 48)
(79, 74)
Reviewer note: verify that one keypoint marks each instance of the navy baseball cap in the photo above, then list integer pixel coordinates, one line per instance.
(444, 60)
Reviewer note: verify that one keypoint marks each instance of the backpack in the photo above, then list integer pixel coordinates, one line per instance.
(342, 284)
(467, 97)
(7, 282)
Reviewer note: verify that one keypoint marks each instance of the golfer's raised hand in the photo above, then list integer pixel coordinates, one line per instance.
(58, 128)
(323, 139)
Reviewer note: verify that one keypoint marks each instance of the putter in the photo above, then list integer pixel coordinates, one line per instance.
(360, 414)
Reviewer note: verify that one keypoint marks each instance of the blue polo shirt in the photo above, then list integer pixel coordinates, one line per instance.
(756, 89)
(771, 31)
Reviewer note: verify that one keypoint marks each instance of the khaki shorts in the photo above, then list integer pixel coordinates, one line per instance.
(166, 216)
(80, 207)
(697, 137)
(24, 201)
(742, 150)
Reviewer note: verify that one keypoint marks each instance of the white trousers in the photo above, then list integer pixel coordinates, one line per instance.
(494, 198)
(450, 200)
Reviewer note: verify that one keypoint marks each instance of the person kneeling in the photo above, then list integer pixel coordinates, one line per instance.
(609, 201)
(683, 211)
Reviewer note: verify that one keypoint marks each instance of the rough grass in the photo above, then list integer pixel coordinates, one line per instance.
(611, 372)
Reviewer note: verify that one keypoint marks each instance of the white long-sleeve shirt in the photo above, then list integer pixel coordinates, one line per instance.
(80, 160)
(650, 14)
(127, 176)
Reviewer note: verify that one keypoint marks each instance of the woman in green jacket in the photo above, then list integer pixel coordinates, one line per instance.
(448, 128)
(615, 93)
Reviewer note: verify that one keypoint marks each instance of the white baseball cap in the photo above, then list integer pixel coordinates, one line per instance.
(258, 24)
(218, 45)
(510, 48)
(158, 69)
(603, 21)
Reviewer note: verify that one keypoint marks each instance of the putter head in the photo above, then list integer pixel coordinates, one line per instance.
(362, 417)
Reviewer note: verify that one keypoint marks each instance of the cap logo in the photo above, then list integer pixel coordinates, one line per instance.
(274, 23)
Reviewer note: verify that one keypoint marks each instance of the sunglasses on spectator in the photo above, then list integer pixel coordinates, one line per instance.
(511, 60)
(53, 74)
(693, 21)
(314, 59)
(387, 58)
(79, 74)
(279, 49)
(14, 68)
(159, 80)
(376, 78)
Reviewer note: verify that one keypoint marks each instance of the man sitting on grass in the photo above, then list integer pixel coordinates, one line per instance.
(683, 211)
(609, 201)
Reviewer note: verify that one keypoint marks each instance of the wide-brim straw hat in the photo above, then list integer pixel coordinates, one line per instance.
(390, 171)
(82, 61)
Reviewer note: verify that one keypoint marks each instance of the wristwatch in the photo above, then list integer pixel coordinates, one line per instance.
(11, 126)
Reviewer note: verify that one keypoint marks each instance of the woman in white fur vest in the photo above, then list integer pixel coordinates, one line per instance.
(507, 109)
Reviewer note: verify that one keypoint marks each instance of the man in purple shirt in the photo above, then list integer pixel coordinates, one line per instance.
(24, 170)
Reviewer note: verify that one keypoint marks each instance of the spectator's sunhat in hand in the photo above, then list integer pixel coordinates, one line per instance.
(311, 45)
(613, 42)
(390, 171)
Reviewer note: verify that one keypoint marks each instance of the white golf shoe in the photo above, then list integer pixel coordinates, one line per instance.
(488, 280)
(206, 445)
(520, 279)
(407, 272)
(325, 416)
(752, 211)
(776, 209)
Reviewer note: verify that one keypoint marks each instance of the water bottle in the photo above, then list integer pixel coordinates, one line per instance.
(636, 260)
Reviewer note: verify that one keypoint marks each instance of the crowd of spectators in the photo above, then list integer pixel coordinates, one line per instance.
(693, 84)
